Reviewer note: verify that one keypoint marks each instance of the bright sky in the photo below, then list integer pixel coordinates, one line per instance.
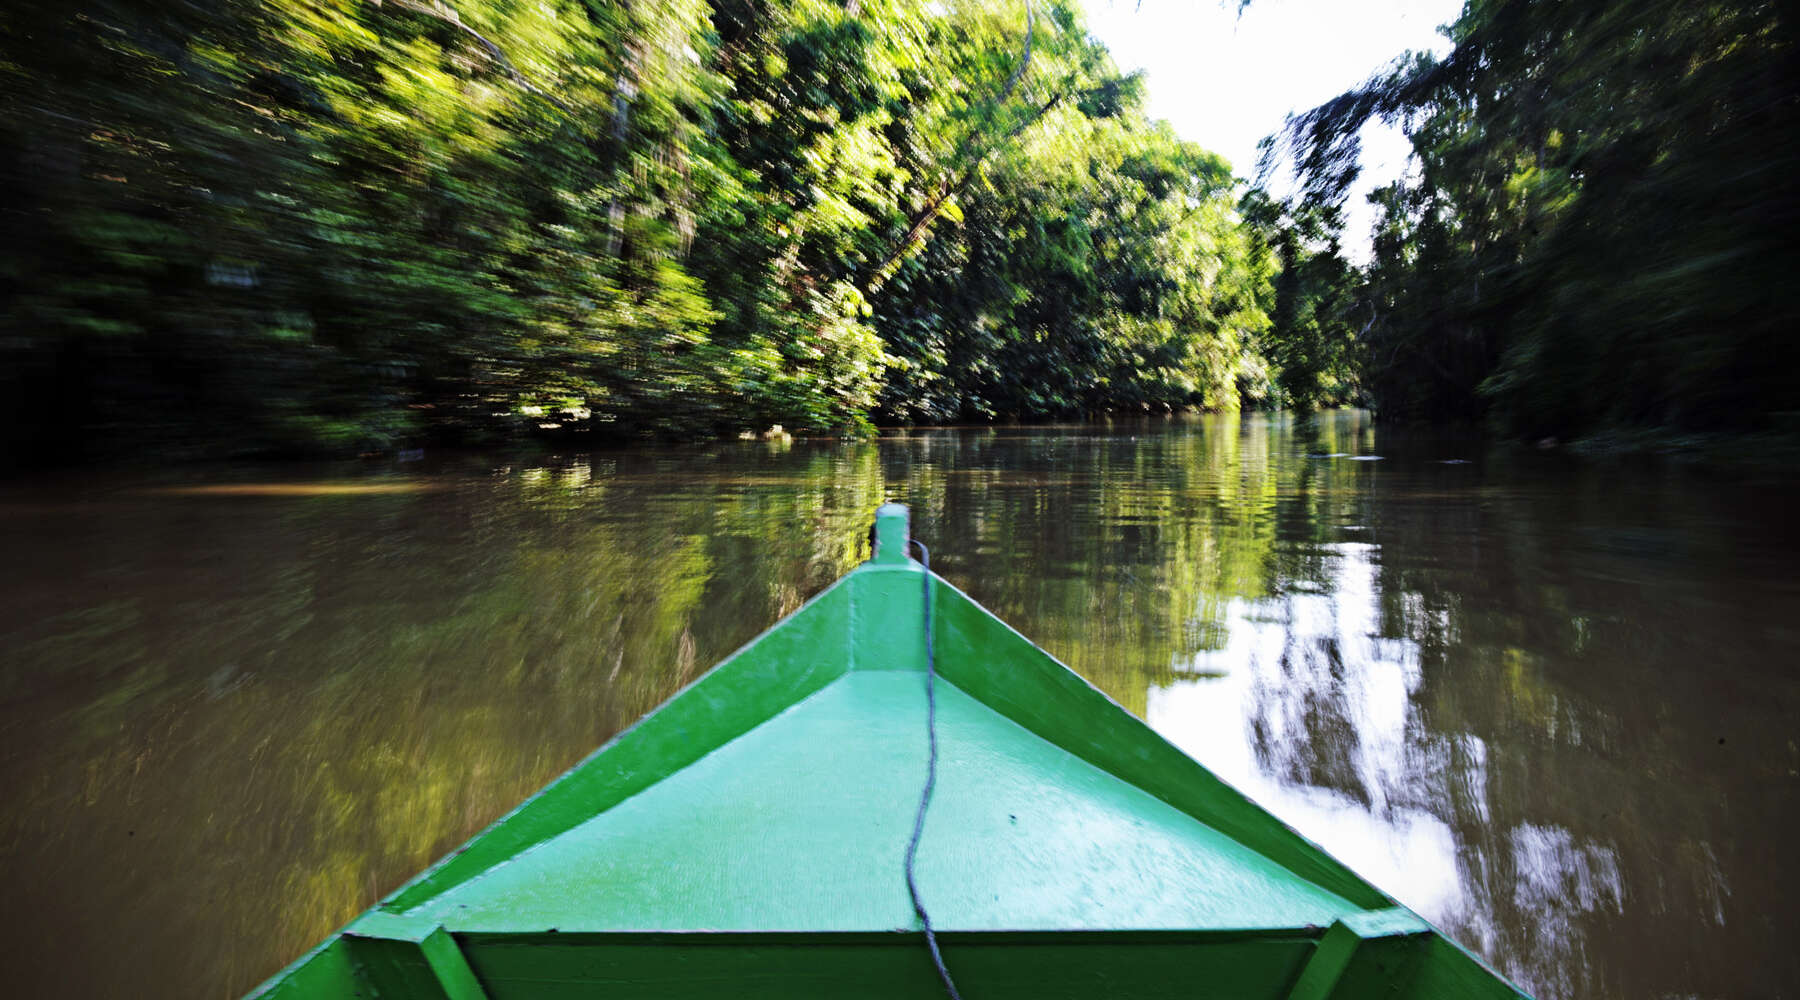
(1225, 81)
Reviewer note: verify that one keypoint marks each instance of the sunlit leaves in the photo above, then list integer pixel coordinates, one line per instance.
(247, 226)
(1097, 266)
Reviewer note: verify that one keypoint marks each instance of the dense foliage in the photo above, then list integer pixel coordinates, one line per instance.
(1600, 230)
(257, 226)
(1320, 311)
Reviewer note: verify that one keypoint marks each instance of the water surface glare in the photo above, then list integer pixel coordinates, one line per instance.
(1549, 702)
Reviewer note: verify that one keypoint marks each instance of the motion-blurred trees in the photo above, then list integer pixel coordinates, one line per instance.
(247, 226)
(1319, 309)
(1098, 263)
(1600, 233)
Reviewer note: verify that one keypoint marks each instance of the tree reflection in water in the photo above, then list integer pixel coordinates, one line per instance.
(1546, 702)
(1312, 712)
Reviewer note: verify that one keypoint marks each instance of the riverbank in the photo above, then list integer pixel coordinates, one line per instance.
(1769, 452)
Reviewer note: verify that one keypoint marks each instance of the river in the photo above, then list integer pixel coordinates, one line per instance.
(1547, 701)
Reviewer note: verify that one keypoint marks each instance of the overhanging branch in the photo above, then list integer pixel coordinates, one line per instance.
(444, 12)
(915, 232)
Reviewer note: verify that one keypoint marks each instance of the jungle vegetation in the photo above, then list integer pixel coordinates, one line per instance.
(1599, 232)
(341, 226)
(247, 226)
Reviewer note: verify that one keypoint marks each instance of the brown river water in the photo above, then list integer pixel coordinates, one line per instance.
(1550, 702)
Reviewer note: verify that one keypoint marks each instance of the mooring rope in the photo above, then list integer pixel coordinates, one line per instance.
(912, 846)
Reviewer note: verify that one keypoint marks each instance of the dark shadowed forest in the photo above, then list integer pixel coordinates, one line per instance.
(1599, 234)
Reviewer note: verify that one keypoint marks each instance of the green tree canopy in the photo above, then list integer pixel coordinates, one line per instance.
(1599, 232)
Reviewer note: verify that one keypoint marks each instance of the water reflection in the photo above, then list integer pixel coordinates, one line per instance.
(1546, 703)
(1310, 710)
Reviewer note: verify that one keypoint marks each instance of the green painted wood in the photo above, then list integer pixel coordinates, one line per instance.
(789, 661)
(405, 955)
(392, 968)
(326, 971)
(1448, 972)
(988, 659)
(746, 839)
(1364, 954)
(1329, 960)
(1383, 967)
(887, 967)
(892, 530)
(1395, 921)
(393, 926)
(451, 968)
(1021, 835)
(886, 605)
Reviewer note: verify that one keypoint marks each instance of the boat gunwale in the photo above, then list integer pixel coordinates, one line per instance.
(386, 903)
(1165, 791)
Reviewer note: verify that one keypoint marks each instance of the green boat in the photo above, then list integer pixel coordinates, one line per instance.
(872, 801)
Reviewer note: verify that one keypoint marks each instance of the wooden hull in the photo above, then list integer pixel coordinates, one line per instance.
(748, 838)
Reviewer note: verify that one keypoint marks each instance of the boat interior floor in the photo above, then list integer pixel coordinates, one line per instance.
(801, 824)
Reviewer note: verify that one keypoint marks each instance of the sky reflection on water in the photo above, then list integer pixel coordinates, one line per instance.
(1548, 702)
(1309, 711)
